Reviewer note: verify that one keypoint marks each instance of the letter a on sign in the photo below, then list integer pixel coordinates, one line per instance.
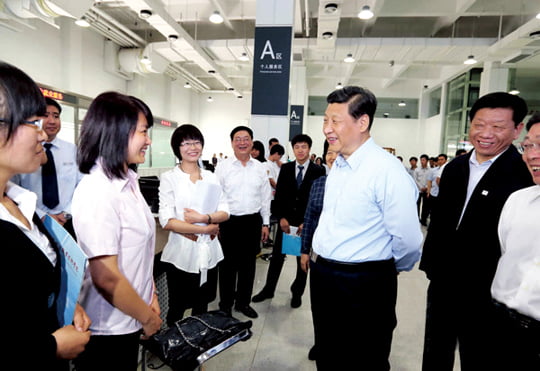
(293, 115)
(268, 50)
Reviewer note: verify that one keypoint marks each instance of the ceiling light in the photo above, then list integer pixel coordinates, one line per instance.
(82, 22)
(365, 13)
(209, 99)
(514, 92)
(211, 71)
(244, 57)
(402, 103)
(386, 114)
(216, 17)
(327, 35)
(146, 60)
(239, 97)
(187, 85)
(470, 60)
(330, 8)
(349, 58)
(339, 86)
(172, 38)
(145, 13)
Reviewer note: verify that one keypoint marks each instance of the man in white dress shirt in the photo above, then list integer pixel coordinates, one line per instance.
(516, 285)
(64, 173)
(244, 181)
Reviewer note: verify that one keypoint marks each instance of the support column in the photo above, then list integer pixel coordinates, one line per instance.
(494, 78)
(271, 70)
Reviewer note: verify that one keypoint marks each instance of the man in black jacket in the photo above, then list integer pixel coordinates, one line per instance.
(290, 202)
(461, 249)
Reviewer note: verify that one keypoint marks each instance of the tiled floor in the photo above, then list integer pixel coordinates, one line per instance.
(282, 336)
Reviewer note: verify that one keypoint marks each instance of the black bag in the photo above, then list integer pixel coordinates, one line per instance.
(181, 344)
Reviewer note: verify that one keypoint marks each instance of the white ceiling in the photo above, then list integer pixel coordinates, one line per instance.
(408, 45)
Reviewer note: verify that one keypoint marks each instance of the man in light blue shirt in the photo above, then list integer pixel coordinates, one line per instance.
(368, 232)
(66, 170)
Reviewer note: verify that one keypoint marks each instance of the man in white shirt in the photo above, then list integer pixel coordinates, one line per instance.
(420, 177)
(244, 181)
(55, 182)
(516, 285)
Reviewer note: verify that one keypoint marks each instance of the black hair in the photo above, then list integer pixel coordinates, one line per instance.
(424, 156)
(107, 127)
(52, 102)
(259, 146)
(272, 140)
(413, 158)
(502, 100)
(302, 138)
(361, 101)
(443, 155)
(535, 119)
(277, 148)
(460, 152)
(240, 128)
(183, 132)
(20, 98)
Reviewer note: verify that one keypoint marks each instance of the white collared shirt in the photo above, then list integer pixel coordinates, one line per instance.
(304, 170)
(369, 210)
(26, 201)
(247, 187)
(517, 280)
(176, 192)
(111, 217)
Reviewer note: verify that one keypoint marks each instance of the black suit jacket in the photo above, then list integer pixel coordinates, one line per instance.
(29, 285)
(290, 202)
(466, 256)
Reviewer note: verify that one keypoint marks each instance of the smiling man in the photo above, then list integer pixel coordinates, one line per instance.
(461, 249)
(367, 232)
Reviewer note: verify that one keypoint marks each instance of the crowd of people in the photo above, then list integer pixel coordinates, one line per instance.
(358, 210)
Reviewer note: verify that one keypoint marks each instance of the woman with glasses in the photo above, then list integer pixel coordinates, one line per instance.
(116, 230)
(191, 206)
(35, 340)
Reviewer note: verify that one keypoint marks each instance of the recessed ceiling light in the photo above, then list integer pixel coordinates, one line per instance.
(349, 58)
(216, 18)
(365, 13)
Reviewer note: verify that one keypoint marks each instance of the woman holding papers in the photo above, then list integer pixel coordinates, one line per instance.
(191, 206)
(34, 338)
(116, 230)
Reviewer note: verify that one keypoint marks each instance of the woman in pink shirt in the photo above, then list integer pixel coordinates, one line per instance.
(116, 230)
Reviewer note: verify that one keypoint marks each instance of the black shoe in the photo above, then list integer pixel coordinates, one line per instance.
(266, 257)
(247, 311)
(296, 301)
(261, 296)
(312, 355)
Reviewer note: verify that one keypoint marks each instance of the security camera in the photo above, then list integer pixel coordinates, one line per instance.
(330, 8)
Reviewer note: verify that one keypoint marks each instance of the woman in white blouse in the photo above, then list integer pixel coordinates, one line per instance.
(191, 206)
(116, 230)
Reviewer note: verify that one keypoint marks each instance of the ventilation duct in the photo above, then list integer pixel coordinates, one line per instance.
(131, 60)
(518, 57)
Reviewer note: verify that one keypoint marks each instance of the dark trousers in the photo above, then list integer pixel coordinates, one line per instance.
(240, 238)
(185, 292)
(275, 267)
(353, 314)
(422, 205)
(458, 315)
(110, 353)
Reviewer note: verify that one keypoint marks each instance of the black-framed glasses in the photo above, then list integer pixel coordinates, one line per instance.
(37, 124)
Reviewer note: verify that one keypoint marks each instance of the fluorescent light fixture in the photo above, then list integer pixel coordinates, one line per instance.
(81, 22)
(146, 60)
(402, 103)
(339, 86)
(514, 92)
(216, 17)
(187, 85)
(244, 57)
(470, 60)
(349, 58)
(365, 13)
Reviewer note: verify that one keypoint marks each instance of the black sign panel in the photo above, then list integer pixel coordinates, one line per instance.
(271, 70)
(296, 119)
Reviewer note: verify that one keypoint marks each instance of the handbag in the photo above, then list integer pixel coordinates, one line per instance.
(180, 345)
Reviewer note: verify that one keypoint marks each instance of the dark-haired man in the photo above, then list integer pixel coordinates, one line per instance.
(245, 183)
(461, 249)
(55, 181)
(292, 194)
(367, 232)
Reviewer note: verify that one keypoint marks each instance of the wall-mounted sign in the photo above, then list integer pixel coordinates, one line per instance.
(296, 121)
(162, 122)
(271, 70)
(57, 95)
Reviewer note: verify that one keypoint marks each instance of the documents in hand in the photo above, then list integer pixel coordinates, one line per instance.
(73, 264)
(291, 242)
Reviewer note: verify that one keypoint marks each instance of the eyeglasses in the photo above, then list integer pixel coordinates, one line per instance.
(37, 124)
(242, 140)
(196, 143)
(529, 146)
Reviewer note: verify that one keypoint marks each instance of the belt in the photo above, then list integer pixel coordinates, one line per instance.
(521, 320)
(194, 237)
(368, 266)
